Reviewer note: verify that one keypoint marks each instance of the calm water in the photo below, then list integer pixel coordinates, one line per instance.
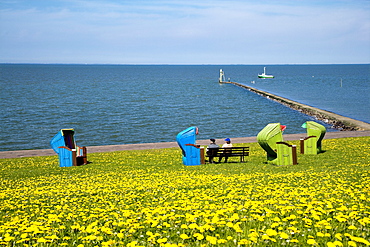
(122, 104)
(343, 89)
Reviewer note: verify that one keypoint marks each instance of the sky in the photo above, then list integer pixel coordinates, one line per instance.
(185, 31)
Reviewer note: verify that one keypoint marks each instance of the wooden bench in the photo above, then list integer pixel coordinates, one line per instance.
(228, 152)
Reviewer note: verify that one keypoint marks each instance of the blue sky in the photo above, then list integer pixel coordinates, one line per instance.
(185, 32)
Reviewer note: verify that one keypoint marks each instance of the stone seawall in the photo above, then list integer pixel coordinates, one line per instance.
(337, 121)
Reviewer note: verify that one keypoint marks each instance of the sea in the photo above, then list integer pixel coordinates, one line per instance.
(126, 104)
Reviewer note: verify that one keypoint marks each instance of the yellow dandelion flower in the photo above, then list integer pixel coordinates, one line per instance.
(320, 234)
(184, 226)
(352, 243)
(230, 224)
(107, 243)
(53, 237)
(193, 226)
(171, 245)
(253, 238)
(198, 236)
(184, 236)
(8, 239)
(360, 240)
(338, 243)
(212, 240)
(265, 237)
(41, 240)
(311, 241)
(132, 244)
(275, 224)
(91, 237)
(283, 235)
(22, 240)
(244, 242)
(161, 240)
(271, 232)
(292, 217)
(221, 241)
(338, 236)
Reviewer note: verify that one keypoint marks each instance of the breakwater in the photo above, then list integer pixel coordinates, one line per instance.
(337, 121)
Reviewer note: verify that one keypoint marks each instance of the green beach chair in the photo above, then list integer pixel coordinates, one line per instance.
(312, 144)
(278, 152)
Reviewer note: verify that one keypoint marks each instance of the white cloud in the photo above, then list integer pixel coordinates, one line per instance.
(185, 32)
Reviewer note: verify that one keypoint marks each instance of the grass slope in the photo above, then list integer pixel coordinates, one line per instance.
(148, 198)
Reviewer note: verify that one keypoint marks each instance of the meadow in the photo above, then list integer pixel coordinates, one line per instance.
(148, 198)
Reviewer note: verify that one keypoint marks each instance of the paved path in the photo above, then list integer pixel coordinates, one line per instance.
(111, 148)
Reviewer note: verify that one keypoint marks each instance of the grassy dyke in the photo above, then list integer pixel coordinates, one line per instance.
(148, 198)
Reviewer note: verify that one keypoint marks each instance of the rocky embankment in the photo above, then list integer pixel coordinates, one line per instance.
(335, 120)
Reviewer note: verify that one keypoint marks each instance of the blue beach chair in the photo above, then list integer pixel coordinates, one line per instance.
(69, 153)
(190, 152)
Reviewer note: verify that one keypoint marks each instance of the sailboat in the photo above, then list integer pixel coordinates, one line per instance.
(263, 75)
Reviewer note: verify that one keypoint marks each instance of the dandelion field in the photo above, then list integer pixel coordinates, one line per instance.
(148, 198)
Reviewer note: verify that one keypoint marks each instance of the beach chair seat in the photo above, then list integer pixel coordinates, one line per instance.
(286, 154)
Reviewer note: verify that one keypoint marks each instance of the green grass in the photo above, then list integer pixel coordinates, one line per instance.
(148, 198)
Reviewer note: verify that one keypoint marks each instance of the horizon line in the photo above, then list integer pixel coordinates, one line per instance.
(185, 64)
